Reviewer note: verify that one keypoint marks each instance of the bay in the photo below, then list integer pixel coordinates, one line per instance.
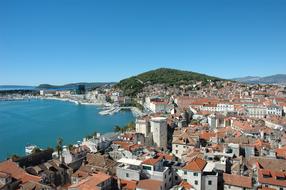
(41, 122)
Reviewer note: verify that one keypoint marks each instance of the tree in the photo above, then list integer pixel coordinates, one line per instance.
(71, 147)
(59, 146)
(15, 157)
(130, 126)
(117, 128)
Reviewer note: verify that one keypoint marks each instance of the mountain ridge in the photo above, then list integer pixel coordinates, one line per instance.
(272, 79)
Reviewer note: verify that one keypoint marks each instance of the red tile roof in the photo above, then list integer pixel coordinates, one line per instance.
(237, 180)
(149, 184)
(16, 172)
(185, 185)
(152, 161)
(197, 164)
(128, 185)
(272, 177)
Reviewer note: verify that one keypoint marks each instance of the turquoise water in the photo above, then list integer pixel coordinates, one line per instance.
(41, 122)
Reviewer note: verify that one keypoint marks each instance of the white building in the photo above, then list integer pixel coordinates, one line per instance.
(159, 131)
(199, 174)
(256, 111)
(96, 143)
(152, 168)
(274, 110)
(225, 107)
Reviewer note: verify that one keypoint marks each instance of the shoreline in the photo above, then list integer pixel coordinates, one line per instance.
(111, 109)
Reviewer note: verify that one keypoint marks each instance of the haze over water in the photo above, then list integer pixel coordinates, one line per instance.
(41, 122)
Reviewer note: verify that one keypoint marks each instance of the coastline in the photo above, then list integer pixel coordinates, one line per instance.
(109, 109)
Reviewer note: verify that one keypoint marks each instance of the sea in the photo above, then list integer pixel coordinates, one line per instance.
(42, 122)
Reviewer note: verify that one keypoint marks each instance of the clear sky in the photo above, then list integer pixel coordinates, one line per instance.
(62, 41)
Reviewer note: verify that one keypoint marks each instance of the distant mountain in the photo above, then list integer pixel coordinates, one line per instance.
(15, 87)
(73, 86)
(131, 86)
(273, 79)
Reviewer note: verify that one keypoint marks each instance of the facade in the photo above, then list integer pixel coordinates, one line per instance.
(183, 143)
(149, 169)
(142, 126)
(159, 131)
(256, 111)
(199, 175)
(274, 110)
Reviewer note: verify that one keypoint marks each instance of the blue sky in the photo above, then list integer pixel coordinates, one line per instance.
(62, 41)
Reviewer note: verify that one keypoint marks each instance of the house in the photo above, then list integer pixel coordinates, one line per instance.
(184, 142)
(152, 168)
(96, 181)
(237, 182)
(271, 178)
(199, 174)
(149, 184)
(11, 175)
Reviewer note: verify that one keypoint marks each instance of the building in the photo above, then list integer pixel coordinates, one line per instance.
(96, 181)
(237, 182)
(183, 143)
(142, 126)
(159, 131)
(199, 174)
(275, 110)
(256, 111)
(149, 169)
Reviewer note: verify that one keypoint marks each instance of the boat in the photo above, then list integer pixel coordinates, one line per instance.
(29, 149)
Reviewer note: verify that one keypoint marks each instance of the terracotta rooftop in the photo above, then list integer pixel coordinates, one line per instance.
(149, 184)
(16, 172)
(237, 180)
(185, 185)
(271, 177)
(152, 161)
(91, 182)
(128, 185)
(197, 164)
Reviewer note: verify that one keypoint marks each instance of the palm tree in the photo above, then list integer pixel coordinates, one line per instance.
(71, 147)
(59, 146)
(117, 128)
(131, 126)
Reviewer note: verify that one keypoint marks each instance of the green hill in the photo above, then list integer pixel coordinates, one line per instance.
(171, 77)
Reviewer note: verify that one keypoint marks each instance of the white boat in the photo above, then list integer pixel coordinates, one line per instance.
(29, 149)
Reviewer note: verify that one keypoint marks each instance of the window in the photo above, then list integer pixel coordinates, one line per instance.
(196, 182)
(176, 178)
(147, 168)
(165, 176)
(209, 182)
(176, 151)
(185, 172)
(281, 188)
(185, 179)
(127, 174)
(195, 174)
